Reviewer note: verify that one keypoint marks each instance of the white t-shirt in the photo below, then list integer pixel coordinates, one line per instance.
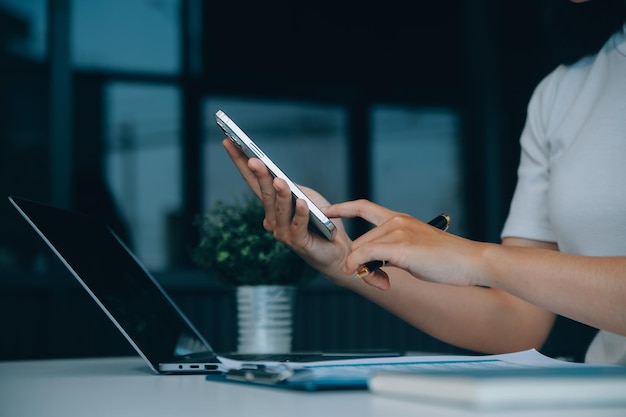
(572, 176)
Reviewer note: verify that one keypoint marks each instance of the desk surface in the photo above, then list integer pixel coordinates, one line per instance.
(126, 387)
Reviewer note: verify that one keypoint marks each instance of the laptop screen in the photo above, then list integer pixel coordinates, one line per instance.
(117, 281)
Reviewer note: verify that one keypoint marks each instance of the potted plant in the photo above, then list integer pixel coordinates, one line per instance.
(238, 252)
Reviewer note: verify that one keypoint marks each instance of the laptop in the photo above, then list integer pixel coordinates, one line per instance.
(131, 297)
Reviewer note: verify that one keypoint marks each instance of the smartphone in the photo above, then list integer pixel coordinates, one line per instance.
(237, 136)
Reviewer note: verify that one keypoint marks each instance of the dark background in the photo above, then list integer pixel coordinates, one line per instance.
(482, 58)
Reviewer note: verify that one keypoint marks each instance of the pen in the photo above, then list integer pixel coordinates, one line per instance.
(440, 222)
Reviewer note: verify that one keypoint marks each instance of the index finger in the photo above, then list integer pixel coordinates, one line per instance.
(371, 212)
(241, 162)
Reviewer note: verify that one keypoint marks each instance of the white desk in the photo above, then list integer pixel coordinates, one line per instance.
(126, 387)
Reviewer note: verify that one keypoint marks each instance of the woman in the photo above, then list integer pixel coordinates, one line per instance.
(563, 248)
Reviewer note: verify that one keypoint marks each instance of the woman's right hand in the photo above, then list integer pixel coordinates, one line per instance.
(289, 223)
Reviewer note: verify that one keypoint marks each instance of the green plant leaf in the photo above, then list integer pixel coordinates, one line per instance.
(235, 249)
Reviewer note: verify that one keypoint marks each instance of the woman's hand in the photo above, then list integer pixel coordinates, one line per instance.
(426, 252)
(289, 223)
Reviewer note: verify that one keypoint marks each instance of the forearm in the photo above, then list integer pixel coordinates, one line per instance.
(588, 289)
(475, 318)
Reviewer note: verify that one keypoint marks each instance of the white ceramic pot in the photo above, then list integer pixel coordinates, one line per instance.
(265, 318)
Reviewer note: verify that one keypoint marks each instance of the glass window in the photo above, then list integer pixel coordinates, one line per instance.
(307, 141)
(31, 43)
(129, 35)
(416, 166)
(143, 164)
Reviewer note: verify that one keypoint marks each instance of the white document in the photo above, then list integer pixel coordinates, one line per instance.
(527, 358)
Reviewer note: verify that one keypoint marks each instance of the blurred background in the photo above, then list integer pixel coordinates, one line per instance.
(106, 107)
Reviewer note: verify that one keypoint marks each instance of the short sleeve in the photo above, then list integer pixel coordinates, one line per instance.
(529, 211)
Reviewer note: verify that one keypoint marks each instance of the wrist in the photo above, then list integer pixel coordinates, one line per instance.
(337, 277)
(491, 259)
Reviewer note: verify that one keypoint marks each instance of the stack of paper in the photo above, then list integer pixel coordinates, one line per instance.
(508, 387)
